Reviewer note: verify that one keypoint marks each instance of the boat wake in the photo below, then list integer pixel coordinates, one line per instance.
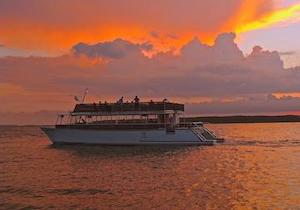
(269, 143)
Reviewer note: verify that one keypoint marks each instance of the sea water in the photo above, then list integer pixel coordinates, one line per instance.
(257, 168)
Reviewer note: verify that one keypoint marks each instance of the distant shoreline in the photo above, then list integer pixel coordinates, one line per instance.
(216, 120)
(242, 119)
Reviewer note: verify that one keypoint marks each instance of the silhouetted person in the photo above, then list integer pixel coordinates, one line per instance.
(120, 101)
(95, 106)
(136, 101)
(106, 107)
(151, 104)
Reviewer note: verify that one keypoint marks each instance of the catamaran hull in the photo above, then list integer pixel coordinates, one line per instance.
(124, 137)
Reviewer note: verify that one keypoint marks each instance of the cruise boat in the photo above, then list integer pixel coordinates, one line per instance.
(135, 123)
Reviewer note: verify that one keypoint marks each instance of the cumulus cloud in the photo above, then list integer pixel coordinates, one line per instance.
(211, 79)
(223, 51)
(116, 49)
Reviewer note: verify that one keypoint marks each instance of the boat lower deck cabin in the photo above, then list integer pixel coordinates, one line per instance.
(111, 116)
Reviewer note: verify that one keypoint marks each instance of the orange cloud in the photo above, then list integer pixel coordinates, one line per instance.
(38, 25)
(279, 16)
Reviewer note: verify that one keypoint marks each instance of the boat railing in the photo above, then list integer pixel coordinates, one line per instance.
(117, 126)
(82, 121)
(190, 124)
(127, 107)
(200, 131)
(69, 119)
(120, 124)
(210, 133)
(197, 133)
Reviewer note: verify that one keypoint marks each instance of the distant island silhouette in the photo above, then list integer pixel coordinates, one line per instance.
(242, 119)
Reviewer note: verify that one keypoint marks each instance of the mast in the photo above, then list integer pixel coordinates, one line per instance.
(165, 117)
(84, 95)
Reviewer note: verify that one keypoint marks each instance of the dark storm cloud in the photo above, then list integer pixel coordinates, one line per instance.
(116, 49)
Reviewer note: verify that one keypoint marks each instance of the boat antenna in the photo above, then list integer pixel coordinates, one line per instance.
(84, 95)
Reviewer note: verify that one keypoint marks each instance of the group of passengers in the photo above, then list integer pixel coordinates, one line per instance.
(136, 100)
(109, 107)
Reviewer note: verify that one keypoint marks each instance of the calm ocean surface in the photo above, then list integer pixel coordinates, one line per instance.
(257, 168)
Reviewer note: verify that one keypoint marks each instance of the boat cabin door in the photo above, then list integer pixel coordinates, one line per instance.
(170, 124)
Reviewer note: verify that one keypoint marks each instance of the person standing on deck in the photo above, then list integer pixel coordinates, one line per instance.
(136, 101)
(120, 101)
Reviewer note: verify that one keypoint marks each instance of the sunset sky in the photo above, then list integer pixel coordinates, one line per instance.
(220, 57)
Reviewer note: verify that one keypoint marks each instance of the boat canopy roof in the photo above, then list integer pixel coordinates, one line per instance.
(124, 108)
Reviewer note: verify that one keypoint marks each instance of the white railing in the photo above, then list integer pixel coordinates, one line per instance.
(196, 132)
(202, 133)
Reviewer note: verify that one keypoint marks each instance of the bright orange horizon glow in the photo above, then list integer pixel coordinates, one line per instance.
(285, 95)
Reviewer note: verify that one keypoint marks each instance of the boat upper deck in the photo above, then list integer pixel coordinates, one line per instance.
(129, 108)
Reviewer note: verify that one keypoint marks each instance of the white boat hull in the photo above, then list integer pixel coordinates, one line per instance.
(125, 137)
